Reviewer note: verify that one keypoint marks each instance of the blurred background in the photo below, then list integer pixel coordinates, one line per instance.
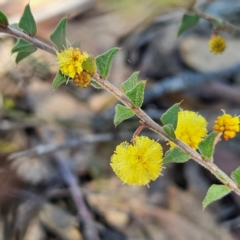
(55, 144)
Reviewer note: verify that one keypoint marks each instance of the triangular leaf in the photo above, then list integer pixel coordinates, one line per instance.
(76, 44)
(189, 20)
(27, 22)
(95, 84)
(21, 55)
(130, 83)
(169, 130)
(58, 37)
(122, 113)
(136, 95)
(206, 146)
(176, 155)
(104, 62)
(3, 19)
(23, 46)
(235, 175)
(58, 80)
(215, 192)
(171, 116)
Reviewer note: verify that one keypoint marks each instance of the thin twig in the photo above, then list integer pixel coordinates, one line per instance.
(70, 179)
(224, 25)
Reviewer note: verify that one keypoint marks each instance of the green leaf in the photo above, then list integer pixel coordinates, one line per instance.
(58, 37)
(136, 95)
(3, 19)
(235, 175)
(58, 80)
(76, 44)
(104, 62)
(206, 146)
(95, 84)
(122, 113)
(215, 192)
(189, 20)
(130, 83)
(15, 27)
(23, 46)
(89, 65)
(169, 130)
(27, 22)
(21, 55)
(176, 155)
(171, 116)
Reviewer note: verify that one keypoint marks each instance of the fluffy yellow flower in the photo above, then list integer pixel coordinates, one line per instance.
(137, 163)
(217, 44)
(70, 61)
(191, 128)
(228, 125)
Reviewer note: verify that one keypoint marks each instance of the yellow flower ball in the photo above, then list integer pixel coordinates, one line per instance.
(217, 44)
(137, 163)
(70, 61)
(191, 128)
(228, 125)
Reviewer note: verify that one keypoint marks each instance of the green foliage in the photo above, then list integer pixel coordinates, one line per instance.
(95, 84)
(169, 130)
(215, 192)
(58, 80)
(235, 175)
(58, 37)
(3, 19)
(89, 65)
(104, 62)
(189, 20)
(76, 44)
(171, 116)
(27, 22)
(175, 155)
(136, 95)
(122, 113)
(23, 49)
(206, 146)
(15, 27)
(130, 83)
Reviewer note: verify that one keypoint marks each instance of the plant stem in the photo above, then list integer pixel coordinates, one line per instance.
(225, 25)
(19, 34)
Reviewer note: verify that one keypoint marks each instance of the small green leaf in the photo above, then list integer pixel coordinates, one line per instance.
(171, 116)
(3, 19)
(175, 155)
(136, 95)
(21, 55)
(76, 44)
(15, 27)
(58, 80)
(27, 22)
(104, 62)
(95, 84)
(89, 65)
(23, 46)
(58, 37)
(130, 83)
(206, 146)
(235, 175)
(122, 113)
(189, 20)
(169, 130)
(215, 192)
